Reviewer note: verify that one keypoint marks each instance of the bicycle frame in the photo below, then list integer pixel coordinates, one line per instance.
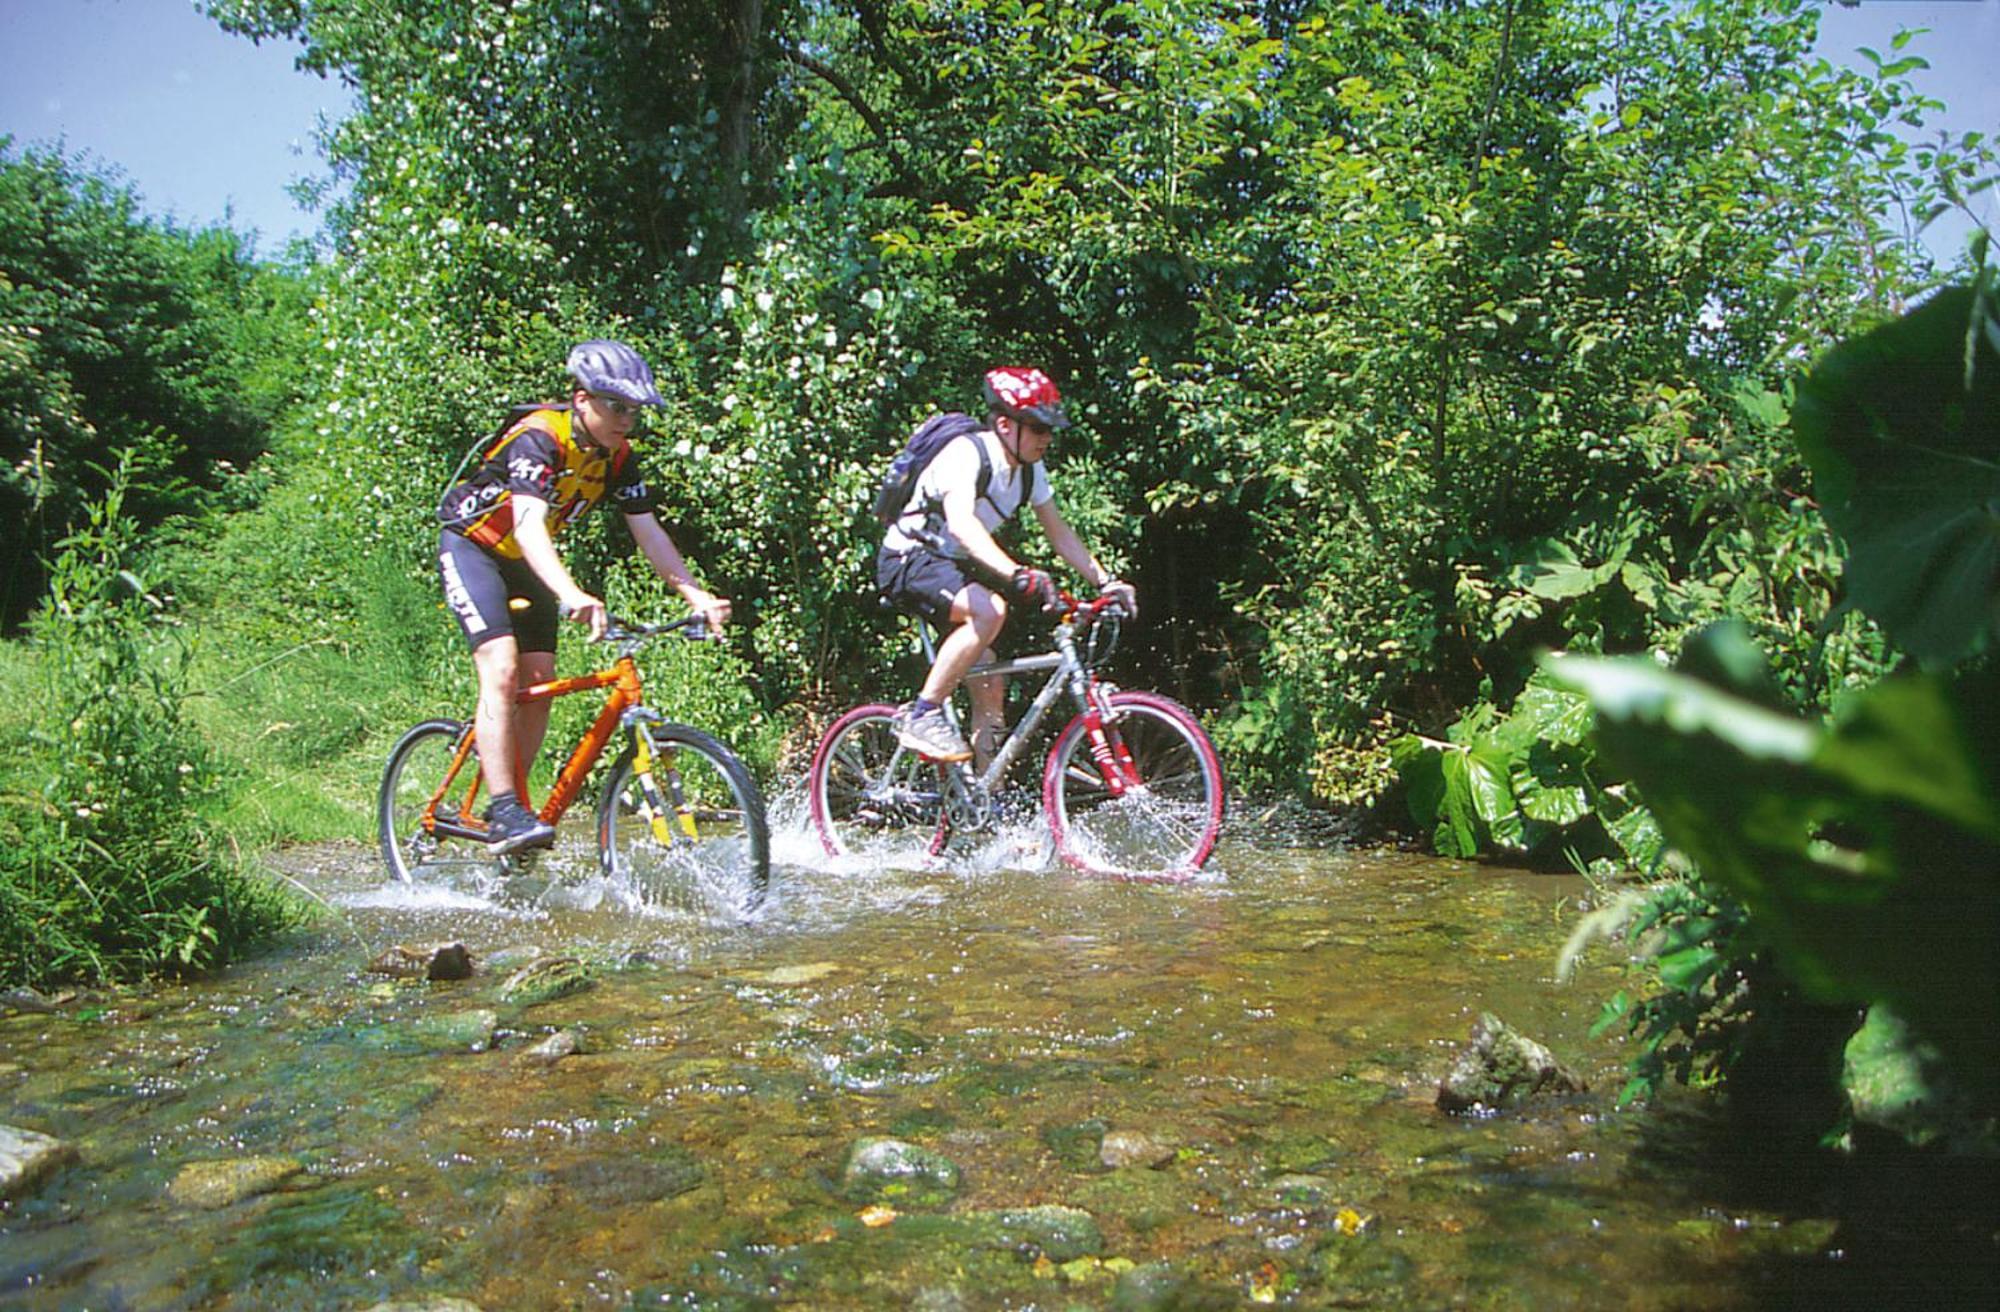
(1070, 672)
(624, 708)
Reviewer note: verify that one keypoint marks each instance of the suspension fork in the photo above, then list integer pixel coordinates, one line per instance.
(1112, 758)
(644, 751)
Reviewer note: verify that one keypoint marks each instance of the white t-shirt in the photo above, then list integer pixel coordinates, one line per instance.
(957, 465)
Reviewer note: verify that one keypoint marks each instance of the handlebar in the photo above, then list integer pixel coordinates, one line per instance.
(693, 629)
(1078, 608)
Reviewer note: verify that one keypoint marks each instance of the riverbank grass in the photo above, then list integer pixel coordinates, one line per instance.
(111, 865)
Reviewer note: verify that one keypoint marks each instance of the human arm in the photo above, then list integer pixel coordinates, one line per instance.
(665, 557)
(1070, 547)
(538, 549)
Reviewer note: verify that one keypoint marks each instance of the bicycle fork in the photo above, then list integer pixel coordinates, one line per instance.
(670, 820)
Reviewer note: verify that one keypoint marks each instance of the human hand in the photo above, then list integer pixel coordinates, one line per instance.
(1031, 584)
(713, 610)
(1122, 595)
(586, 609)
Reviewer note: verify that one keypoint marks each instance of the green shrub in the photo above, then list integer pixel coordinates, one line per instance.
(109, 868)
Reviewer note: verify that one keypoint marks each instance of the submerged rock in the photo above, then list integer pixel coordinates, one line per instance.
(438, 961)
(807, 974)
(561, 1044)
(613, 1182)
(459, 1031)
(218, 1184)
(27, 1158)
(1061, 1234)
(546, 980)
(432, 1304)
(882, 1168)
(1135, 1148)
(1502, 1068)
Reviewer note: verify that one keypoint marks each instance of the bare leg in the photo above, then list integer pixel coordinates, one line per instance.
(979, 613)
(531, 719)
(989, 700)
(498, 663)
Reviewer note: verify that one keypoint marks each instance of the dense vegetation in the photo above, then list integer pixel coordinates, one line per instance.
(1410, 339)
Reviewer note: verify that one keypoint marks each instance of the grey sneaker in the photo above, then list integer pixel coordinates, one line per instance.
(932, 735)
(512, 827)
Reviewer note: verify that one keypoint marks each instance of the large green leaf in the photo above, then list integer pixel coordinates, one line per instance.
(1868, 853)
(1551, 570)
(1902, 430)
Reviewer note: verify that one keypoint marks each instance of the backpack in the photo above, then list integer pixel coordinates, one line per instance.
(930, 438)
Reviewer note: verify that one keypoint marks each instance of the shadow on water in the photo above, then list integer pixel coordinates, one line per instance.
(993, 1085)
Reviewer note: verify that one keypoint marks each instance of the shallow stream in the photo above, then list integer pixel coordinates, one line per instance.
(1214, 1094)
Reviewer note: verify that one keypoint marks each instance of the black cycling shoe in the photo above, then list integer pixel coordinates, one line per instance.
(513, 827)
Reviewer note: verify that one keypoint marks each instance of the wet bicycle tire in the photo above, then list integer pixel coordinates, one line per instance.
(723, 870)
(1168, 829)
(872, 798)
(415, 768)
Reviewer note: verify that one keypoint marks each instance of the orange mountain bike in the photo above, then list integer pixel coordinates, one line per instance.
(679, 820)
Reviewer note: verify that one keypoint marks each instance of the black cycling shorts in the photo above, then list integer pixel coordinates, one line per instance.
(922, 582)
(494, 597)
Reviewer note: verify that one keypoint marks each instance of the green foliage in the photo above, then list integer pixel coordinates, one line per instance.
(1526, 784)
(1858, 856)
(1864, 853)
(1902, 427)
(115, 331)
(109, 869)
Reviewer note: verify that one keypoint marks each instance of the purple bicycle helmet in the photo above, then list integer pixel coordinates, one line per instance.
(611, 368)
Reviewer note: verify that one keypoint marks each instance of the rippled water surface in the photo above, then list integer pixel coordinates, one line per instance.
(1269, 1037)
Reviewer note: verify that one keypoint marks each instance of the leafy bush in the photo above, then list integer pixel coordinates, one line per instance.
(1860, 855)
(109, 869)
(1526, 784)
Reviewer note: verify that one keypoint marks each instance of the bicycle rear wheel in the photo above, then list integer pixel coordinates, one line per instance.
(873, 798)
(681, 826)
(419, 766)
(1163, 823)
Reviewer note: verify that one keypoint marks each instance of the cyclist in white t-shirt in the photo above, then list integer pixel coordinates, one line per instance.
(932, 551)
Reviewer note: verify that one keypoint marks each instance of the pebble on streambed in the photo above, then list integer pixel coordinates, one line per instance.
(217, 1184)
(438, 961)
(28, 1157)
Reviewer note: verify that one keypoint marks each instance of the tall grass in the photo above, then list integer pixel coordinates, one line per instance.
(109, 865)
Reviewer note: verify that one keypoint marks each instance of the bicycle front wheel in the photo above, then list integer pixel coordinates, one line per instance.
(419, 770)
(1164, 818)
(681, 826)
(871, 797)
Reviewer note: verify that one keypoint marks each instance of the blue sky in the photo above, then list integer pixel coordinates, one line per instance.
(203, 123)
(199, 121)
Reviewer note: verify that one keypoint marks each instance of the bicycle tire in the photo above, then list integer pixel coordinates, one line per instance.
(870, 797)
(415, 768)
(1168, 828)
(722, 871)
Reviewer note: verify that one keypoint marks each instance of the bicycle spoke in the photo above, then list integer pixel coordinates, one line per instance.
(870, 797)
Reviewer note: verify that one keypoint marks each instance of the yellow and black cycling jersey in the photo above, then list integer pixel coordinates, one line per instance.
(541, 456)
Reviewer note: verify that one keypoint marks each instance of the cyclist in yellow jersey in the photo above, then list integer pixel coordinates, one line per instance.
(497, 549)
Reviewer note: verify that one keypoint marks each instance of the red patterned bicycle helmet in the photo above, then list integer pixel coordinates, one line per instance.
(1025, 394)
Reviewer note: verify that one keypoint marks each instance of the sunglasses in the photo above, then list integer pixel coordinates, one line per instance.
(616, 408)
